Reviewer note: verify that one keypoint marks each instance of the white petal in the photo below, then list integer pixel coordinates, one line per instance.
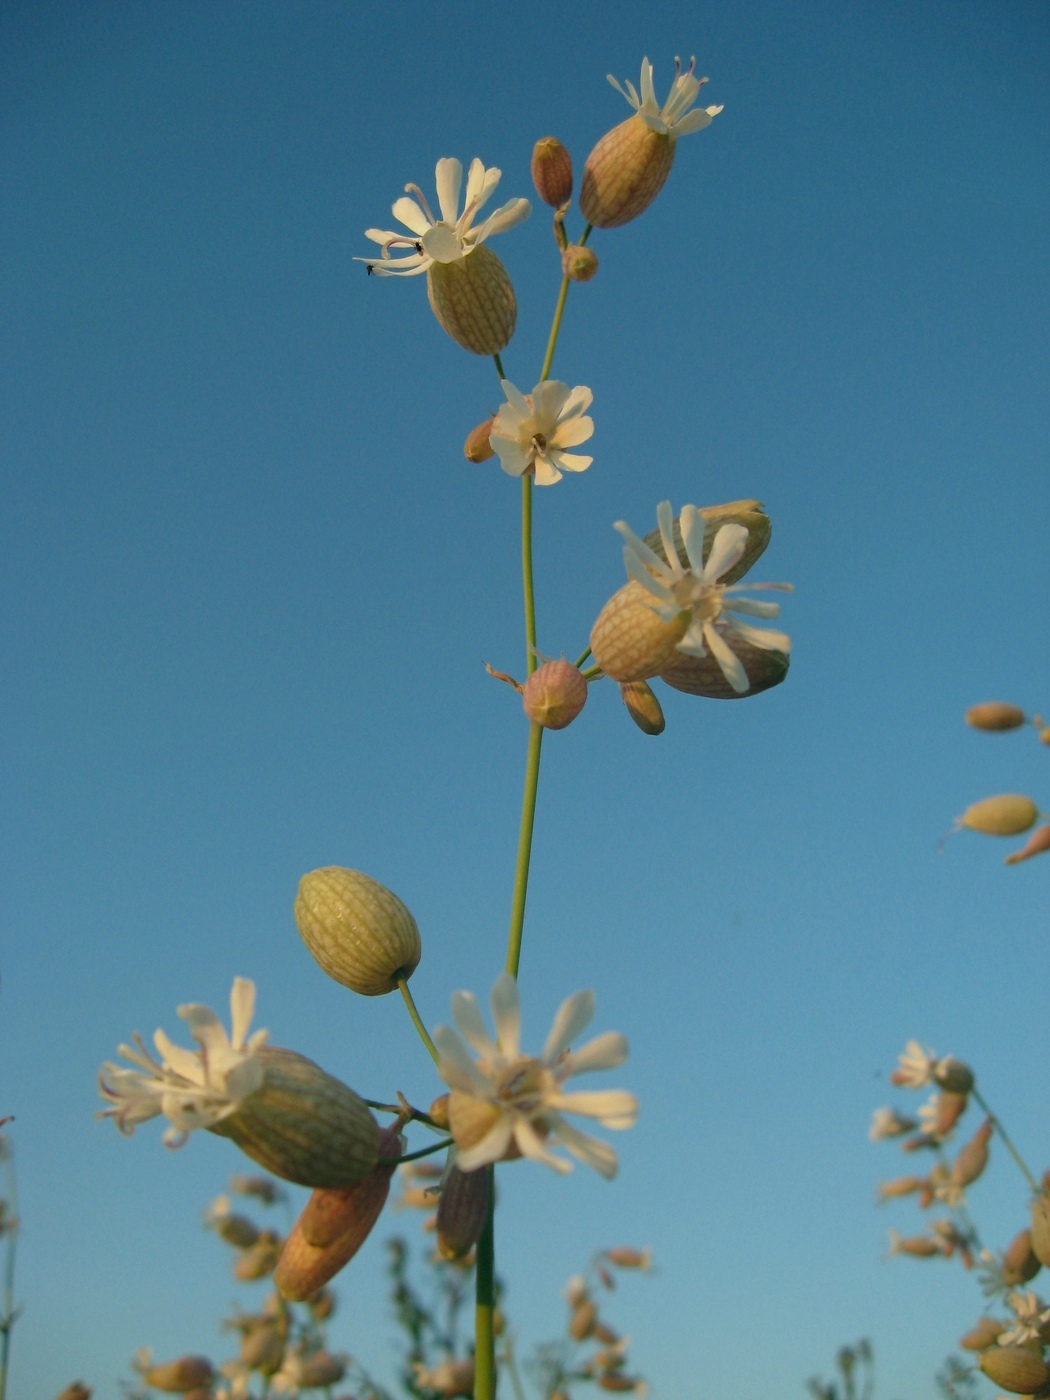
(408, 212)
(578, 402)
(568, 461)
(242, 1009)
(442, 244)
(185, 1063)
(614, 1108)
(516, 398)
(491, 1147)
(481, 184)
(572, 1016)
(591, 1151)
(449, 176)
(693, 641)
(732, 667)
(548, 400)
(572, 431)
(727, 549)
(471, 1024)
(514, 460)
(456, 1067)
(752, 608)
(546, 473)
(506, 1012)
(665, 520)
(695, 120)
(763, 637)
(641, 575)
(605, 1051)
(648, 556)
(531, 1145)
(692, 523)
(501, 220)
(649, 101)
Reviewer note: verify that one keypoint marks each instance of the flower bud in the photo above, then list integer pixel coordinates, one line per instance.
(630, 641)
(624, 173)
(319, 1369)
(984, 1333)
(973, 1158)
(462, 1212)
(579, 264)
(995, 716)
(1006, 815)
(77, 1391)
(948, 1109)
(900, 1186)
(1041, 1227)
(917, 1246)
(477, 447)
(357, 929)
(552, 171)
(625, 1258)
(438, 1112)
(333, 1227)
(176, 1377)
(258, 1260)
(1037, 843)
(303, 1125)
(554, 694)
(953, 1076)
(1020, 1261)
(474, 300)
(262, 1349)
(643, 706)
(581, 1324)
(1016, 1369)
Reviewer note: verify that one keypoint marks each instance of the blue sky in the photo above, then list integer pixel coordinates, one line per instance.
(251, 580)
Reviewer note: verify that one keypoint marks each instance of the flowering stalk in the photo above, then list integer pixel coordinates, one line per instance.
(485, 1304)
(417, 1020)
(978, 1098)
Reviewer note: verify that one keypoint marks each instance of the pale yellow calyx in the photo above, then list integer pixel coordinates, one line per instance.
(630, 641)
(359, 931)
(474, 301)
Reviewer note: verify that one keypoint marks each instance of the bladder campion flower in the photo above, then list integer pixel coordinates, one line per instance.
(503, 1101)
(531, 431)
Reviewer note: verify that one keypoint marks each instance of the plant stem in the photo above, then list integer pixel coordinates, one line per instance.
(417, 1021)
(485, 1305)
(582, 658)
(997, 1125)
(521, 873)
(414, 1156)
(499, 366)
(8, 1316)
(526, 574)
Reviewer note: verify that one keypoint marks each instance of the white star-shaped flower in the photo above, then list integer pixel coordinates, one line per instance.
(674, 118)
(503, 1100)
(1032, 1315)
(453, 235)
(531, 431)
(191, 1088)
(697, 590)
(916, 1067)
(888, 1123)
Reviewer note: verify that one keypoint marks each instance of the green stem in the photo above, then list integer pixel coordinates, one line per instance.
(499, 366)
(582, 658)
(417, 1021)
(526, 575)
(555, 328)
(485, 1304)
(8, 1316)
(521, 873)
(997, 1125)
(414, 1156)
(592, 673)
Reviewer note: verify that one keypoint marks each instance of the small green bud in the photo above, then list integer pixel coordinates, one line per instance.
(357, 929)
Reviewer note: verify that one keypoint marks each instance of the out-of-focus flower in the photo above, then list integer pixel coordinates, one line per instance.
(1007, 814)
(627, 169)
(237, 1230)
(939, 1116)
(983, 1334)
(261, 1187)
(998, 1274)
(915, 1067)
(308, 1370)
(995, 716)
(918, 1246)
(888, 1123)
(505, 1101)
(193, 1089)
(671, 607)
(626, 1258)
(1032, 1316)
(1036, 845)
(531, 431)
(447, 1378)
(173, 1377)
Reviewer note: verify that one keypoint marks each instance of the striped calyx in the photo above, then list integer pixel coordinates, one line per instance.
(474, 300)
(357, 929)
(625, 172)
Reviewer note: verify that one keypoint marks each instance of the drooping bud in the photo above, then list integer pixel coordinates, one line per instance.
(176, 1377)
(581, 1324)
(973, 1158)
(333, 1227)
(477, 447)
(474, 300)
(552, 171)
(953, 1075)
(303, 1125)
(625, 1258)
(1016, 1369)
(262, 1349)
(630, 641)
(625, 172)
(578, 263)
(947, 1108)
(462, 1212)
(917, 1246)
(1041, 1226)
(258, 1260)
(899, 1186)
(319, 1369)
(1020, 1261)
(984, 1333)
(995, 716)
(357, 929)
(1036, 845)
(1006, 815)
(554, 694)
(643, 706)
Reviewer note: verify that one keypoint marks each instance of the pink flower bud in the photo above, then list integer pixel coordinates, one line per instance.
(552, 171)
(554, 694)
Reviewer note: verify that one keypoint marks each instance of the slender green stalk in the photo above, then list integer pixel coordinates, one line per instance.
(521, 873)
(592, 673)
(997, 1125)
(511, 1365)
(417, 1021)
(485, 1304)
(526, 574)
(8, 1314)
(552, 340)
(582, 657)
(414, 1156)
(499, 366)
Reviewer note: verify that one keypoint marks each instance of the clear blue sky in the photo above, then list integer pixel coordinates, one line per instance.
(250, 580)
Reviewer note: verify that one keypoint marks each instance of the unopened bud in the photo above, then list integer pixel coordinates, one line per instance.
(474, 300)
(438, 1112)
(262, 1349)
(333, 1227)
(625, 1258)
(917, 1246)
(1041, 1227)
(477, 447)
(176, 1377)
(1006, 815)
(953, 1075)
(973, 1158)
(319, 1369)
(1036, 845)
(900, 1186)
(581, 1324)
(552, 171)
(578, 263)
(260, 1259)
(984, 1333)
(1020, 1261)
(357, 929)
(948, 1109)
(302, 1124)
(1014, 1368)
(995, 716)
(554, 694)
(462, 1212)
(643, 706)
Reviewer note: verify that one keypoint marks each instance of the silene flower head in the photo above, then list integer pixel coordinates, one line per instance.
(688, 607)
(531, 431)
(506, 1103)
(469, 289)
(1032, 1316)
(888, 1123)
(918, 1066)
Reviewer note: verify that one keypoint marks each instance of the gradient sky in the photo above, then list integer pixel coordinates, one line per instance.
(250, 581)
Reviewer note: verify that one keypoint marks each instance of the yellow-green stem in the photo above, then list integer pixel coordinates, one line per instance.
(1006, 1140)
(521, 873)
(417, 1020)
(485, 1304)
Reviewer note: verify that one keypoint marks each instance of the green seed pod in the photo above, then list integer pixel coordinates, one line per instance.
(994, 716)
(1016, 1369)
(357, 929)
(643, 706)
(624, 173)
(954, 1076)
(474, 300)
(303, 1125)
(702, 675)
(1006, 815)
(552, 171)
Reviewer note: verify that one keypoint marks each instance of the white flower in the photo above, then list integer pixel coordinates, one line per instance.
(508, 1099)
(697, 590)
(451, 237)
(674, 118)
(888, 1123)
(1031, 1313)
(916, 1067)
(531, 431)
(990, 1274)
(192, 1088)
